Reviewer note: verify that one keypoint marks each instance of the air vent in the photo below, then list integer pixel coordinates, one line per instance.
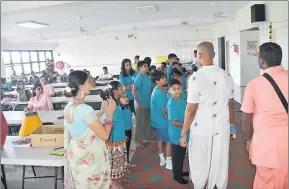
(146, 9)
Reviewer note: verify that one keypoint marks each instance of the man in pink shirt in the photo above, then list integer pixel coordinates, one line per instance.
(265, 121)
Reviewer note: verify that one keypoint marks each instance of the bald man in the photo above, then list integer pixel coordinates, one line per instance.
(208, 115)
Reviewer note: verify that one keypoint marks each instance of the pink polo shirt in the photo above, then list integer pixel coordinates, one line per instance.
(48, 90)
(44, 103)
(269, 145)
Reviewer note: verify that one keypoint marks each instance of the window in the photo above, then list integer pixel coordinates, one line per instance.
(26, 61)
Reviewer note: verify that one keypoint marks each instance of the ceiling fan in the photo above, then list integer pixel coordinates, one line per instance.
(215, 15)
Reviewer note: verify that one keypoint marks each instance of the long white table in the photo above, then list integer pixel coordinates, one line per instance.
(28, 156)
(16, 117)
(60, 99)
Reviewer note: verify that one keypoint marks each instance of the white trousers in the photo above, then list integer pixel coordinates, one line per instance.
(209, 160)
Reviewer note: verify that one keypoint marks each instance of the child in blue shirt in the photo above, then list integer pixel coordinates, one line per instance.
(176, 74)
(176, 114)
(127, 116)
(142, 95)
(159, 117)
(126, 78)
(171, 58)
(116, 143)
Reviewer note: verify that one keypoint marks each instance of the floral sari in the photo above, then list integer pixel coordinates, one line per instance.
(86, 162)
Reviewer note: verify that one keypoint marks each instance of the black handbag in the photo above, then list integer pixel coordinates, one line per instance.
(278, 91)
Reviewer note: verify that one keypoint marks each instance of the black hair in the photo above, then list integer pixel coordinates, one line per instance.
(35, 86)
(178, 59)
(172, 55)
(195, 51)
(123, 72)
(104, 68)
(148, 60)
(175, 73)
(180, 64)
(195, 68)
(136, 56)
(166, 85)
(113, 85)
(184, 70)
(141, 63)
(163, 63)
(174, 82)
(153, 67)
(72, 70)
(271, 53)
(175, 63)
(156, 76)
(75, 79)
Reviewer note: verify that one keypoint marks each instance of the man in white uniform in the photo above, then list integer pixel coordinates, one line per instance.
(210, 97)
(195, 61)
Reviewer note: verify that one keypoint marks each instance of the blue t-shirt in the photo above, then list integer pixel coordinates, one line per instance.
(127, 118)
(169, 69)
(144, 86)
(184, 82)
(118, 130)
(128, 80)
(158, 102)
(183, 95)
(176, 112)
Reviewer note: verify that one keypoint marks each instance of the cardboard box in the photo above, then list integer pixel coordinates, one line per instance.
(48, 136)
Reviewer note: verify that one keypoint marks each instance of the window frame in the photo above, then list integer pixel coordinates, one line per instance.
(11, 63)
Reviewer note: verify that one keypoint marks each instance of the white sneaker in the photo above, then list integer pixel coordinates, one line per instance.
(162, 161)
(169, 164)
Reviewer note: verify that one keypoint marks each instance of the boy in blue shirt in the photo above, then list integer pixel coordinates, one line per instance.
(142, 95)
(176, 74)
(159, 117)
(176, 114)
(171, 58)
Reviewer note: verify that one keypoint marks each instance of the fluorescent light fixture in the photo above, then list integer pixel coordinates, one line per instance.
(32, 24)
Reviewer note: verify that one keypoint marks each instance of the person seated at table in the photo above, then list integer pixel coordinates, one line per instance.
(47, 88)
(23, 78)
(5, 84)
(86, 136)
(39, 101)
(64, 78)
(105, 75)
(22, 93)
(33, 79)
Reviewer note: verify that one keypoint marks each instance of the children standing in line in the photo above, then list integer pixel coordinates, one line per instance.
(127, 115)
(176, 114)
(142, 95)
(159, 117)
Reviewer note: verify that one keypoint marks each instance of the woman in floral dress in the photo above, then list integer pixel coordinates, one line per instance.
(86, 156)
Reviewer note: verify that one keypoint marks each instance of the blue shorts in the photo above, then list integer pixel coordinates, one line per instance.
(163, 135)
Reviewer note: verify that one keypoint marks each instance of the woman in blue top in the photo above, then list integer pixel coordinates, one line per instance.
(85, 152)
(116, 143)
(126, 78)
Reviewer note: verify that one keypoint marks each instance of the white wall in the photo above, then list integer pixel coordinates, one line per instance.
(94, 52)
(249, 63)
(3, 73)
(282, 40)
(276, 12)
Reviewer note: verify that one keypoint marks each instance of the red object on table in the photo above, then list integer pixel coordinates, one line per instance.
(4, 129)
